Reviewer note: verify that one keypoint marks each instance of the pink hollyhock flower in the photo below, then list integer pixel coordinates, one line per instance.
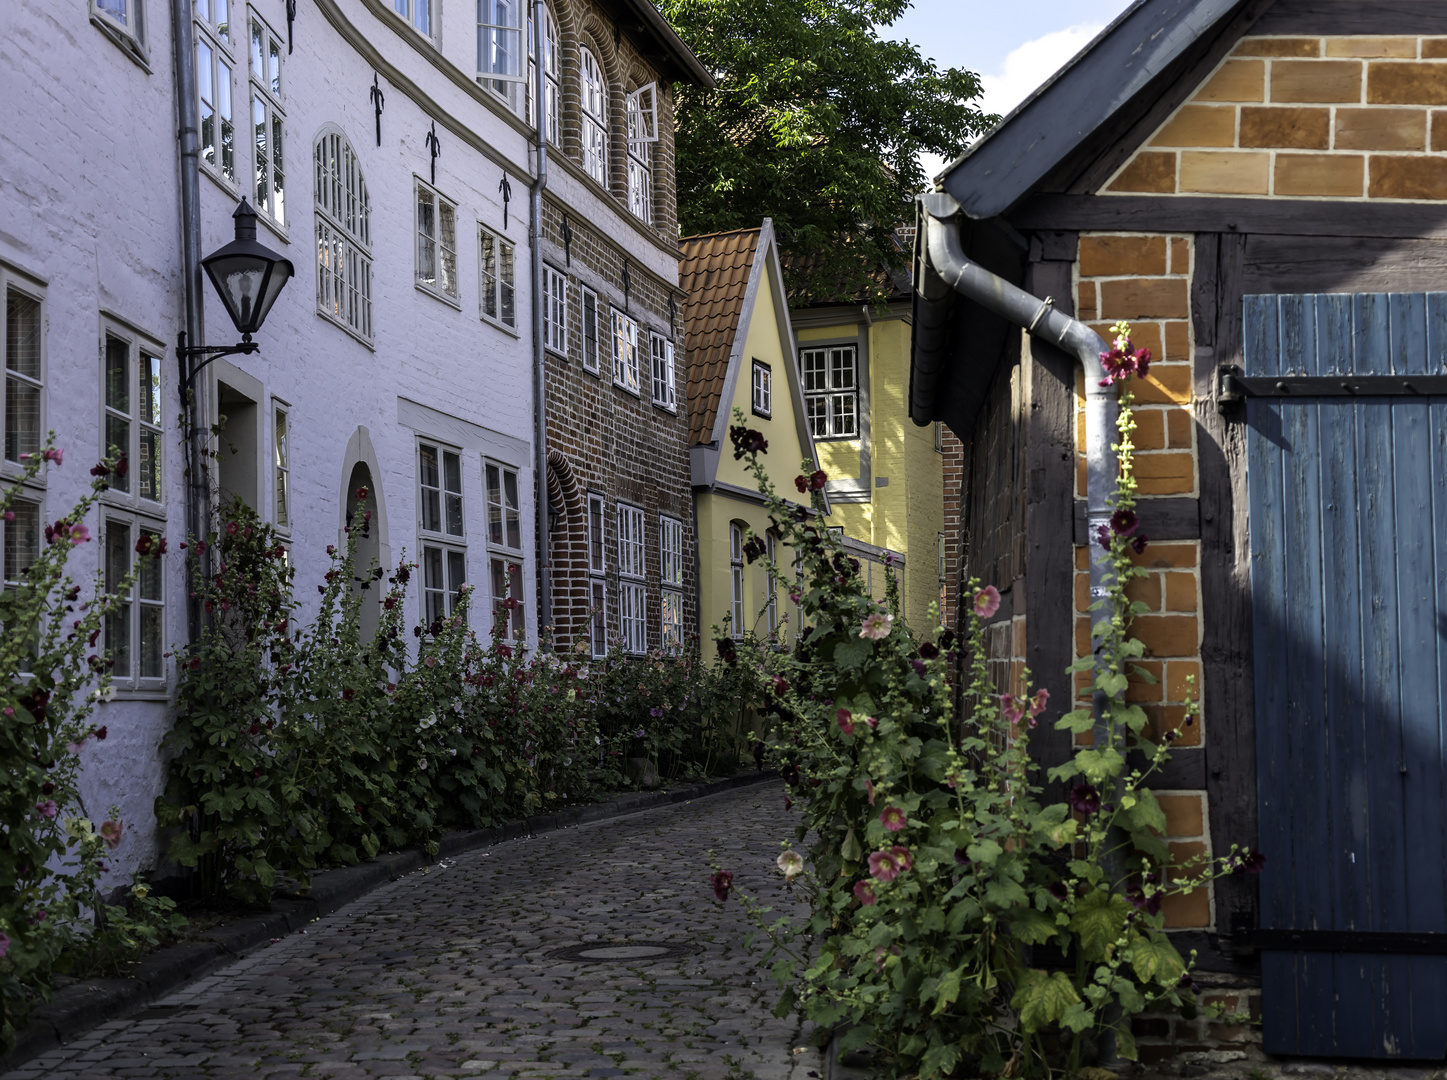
(882, 866)
(864, 893)
(111, 832)
(893, 818)
(79, 534)
(47, 809)
(877, 626)
(4, 944)
(869, 790)
(987, 601)
(1038, 703)
(901, 857)
(845, 719)
(1013, 708)
(872, 721)
(55, 455)
(9, 515)
(721, 881)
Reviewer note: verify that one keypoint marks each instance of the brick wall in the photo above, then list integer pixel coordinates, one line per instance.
(607, 441)
(1204, 1043)
(1336, 117)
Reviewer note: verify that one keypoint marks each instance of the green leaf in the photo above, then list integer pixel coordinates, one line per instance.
(1112, 683)
(850, 849)
(1078, 1017)
(1042, 998)
(946, 992)
(1098, 923)
(984, 852)
(1031, 926)
(787, 1001)
(851, 653)
(1125, 1044)
(1078, 721)
(1155, 959)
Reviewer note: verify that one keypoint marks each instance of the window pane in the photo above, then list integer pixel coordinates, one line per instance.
(278, 177)
(118, 622)
(273, 67)
(514, 529)
(148, 583)
(148, 389)
(282, 457)
(118, 441)
(258, 48)
(223, 106)
(22, 418)
(515, 590)
(223, 19)
(599, 624)
(448, 224)
(22, 334)
(118, 390)
(263, 155)
(505, 271)
(152, 640)
(595, 535)
(456, 577)
(433, 590)
(22, 538)
(494, 505)
(431, 497)
(148, 465)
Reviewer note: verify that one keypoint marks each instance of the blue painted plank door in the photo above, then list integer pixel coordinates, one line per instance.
(1348, 520)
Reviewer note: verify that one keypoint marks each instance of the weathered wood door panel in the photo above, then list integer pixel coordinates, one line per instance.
(1348, 519)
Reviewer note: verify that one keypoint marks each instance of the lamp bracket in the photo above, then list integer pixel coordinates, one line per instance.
(211, 352)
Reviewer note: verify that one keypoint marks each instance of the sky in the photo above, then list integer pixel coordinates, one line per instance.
(1013, 45)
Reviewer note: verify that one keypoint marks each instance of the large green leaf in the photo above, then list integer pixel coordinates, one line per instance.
(1042, 999)
(1098, 923)
(1032, 927)
(1155, 959)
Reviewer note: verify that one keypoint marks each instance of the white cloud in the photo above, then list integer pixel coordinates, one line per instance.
(1029, 65)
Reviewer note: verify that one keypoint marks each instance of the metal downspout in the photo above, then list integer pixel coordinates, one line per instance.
(198, 483)
(535, 241)
(1040, 319)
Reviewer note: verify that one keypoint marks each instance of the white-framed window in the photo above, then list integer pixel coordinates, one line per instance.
(436, 242)
(771, 584)
(555, 310)
(132, 384)
(281, 464)
(632, 592)
(663, 389)
(213, 90)
(268, 119)
(831, 390)
(551, 68)
(625, 352)
(763, 390)
(736, 580)
(125, 22)
(418, 14)
(640, 162)
(943, 569)
(24, 348)
(500, 40)
(344, 236)
(497, 297)
(135, 632)
(443, 537)
(597, 568)
(595, 116)
(589, 330)
(20, 537)
(505, 545)
(670, 549)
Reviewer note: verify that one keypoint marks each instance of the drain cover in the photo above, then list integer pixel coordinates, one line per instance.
(603, 952)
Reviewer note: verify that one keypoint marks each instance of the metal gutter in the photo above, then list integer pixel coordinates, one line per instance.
(950, 271)
(540, 356)
(197, 476)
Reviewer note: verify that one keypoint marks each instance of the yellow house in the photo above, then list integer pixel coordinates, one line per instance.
(886, 475)
(740, 354)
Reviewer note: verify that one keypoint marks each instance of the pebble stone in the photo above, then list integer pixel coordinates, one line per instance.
(447, 973)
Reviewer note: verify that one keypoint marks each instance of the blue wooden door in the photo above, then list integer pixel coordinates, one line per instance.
(1348, 520)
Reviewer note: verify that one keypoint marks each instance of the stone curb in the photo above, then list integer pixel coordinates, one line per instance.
(79, 1007)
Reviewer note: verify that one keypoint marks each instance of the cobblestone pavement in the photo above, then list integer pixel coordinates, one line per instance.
(447, 972)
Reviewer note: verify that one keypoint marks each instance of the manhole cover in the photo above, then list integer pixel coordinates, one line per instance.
(605, 951)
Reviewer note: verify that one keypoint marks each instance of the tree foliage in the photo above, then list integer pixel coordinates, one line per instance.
(817, 121)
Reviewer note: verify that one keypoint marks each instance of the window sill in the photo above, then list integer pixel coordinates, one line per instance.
(217, 178)
(596, 372)
(556, 353)
(159, 693)
(672, 410)
(511, 331)
(350, 331)
(627, 389)
(124, 41)
(436, 294)
(135, 504)
(836, 438)
(762, 415)
(278, 229)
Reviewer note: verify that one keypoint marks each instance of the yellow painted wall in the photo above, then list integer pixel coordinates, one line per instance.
(715, 513)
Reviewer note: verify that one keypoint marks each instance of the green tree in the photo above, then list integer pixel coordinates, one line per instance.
(817, 121)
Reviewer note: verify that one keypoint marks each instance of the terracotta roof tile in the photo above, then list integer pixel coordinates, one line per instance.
(715, 274)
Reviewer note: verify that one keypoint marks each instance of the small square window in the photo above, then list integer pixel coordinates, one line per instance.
(763, 389)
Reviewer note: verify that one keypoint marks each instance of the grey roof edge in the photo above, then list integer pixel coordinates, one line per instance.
(672, 45)
(996, 171)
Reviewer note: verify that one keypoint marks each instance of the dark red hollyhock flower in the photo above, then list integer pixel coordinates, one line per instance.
(1151, 905)
(255, 729)
(46, 788)
(256, 774)
(144, 544)
(1251, 862)
(361, 493)
(781, 687)
(1123, 522)
(100, 468)
(817, 479)
(100, 733)
(961, 857)
(348, 693)
(123, 466)
(721, 881)
(1059, 891)
(947, 640)
(195, 663)
(802, 483)
(919, 668)
(747, 441)
(753, 549)
(1102, 536)
(1084, 799)
(1138, 543)
(727, 651)
(928, 651)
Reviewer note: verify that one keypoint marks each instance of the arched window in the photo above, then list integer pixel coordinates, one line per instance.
(640, 159)
(550, 72)
(344, 235)
(595, 116)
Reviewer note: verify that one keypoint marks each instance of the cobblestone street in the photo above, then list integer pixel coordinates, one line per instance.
(449, 972)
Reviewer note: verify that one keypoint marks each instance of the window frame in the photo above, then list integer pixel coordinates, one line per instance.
(511, 557)
(761, 405)
(640, 161)
(663, 371)
(35, 292)
(592, 358)
(136, 345)
(671, 577)
(555, 310)
(222, 58)
(593, 134)
(132, 681)
(597, 525)
(281, 488)
(771, 583)
(442, 208)
(433, 33)
(736, 580)
(134, 40)
(633, 577)
(441, 539)
(270, 202)
(502, 285)
(495, 32)
(621, 367)
(33, 495)
(337, 202)
(831, 394)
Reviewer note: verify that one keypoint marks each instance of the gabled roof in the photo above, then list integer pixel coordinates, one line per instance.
(1103, 90)
(715, 272)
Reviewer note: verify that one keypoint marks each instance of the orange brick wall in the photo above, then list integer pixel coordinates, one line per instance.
(1307, 117)
(1145, 279)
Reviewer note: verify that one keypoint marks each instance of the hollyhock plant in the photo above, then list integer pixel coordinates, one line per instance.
(883, 867)
(1084, 798)
(876, 626)
(987, 602)
(1012, 707)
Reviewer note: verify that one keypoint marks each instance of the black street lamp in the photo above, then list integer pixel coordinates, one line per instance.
(248, 277)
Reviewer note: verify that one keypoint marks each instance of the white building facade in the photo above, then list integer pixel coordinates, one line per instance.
(400, 359)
